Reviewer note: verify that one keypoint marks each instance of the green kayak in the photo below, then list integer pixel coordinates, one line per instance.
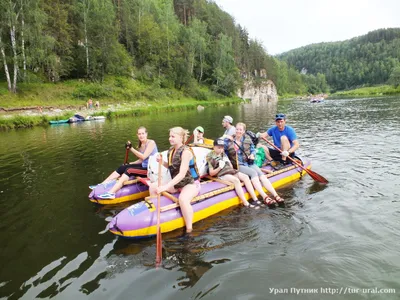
(59, 121)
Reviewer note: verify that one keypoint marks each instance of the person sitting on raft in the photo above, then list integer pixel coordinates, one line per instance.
(245, 150)
(284, 137)
(185, 179)
(198, 135)
(220, 166)
(146, 148)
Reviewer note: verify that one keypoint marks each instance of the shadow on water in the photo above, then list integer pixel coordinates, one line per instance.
(316, 187)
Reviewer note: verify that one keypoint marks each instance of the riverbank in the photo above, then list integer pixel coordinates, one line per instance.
(372, 91)
(38, 103)
(26, 118)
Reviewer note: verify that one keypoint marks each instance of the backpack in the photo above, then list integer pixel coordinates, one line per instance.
(252, 136)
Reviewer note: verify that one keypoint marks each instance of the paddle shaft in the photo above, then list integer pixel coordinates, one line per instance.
(312, 174)
(126, 155)
(159, 239)
(189, 139)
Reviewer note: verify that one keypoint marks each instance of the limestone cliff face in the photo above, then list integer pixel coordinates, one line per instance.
(260, 93)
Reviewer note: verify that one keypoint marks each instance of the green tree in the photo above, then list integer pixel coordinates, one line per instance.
(394, 78)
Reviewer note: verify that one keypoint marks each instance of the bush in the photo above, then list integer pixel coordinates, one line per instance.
(92, 90)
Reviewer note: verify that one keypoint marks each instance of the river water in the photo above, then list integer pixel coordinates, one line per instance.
(340, 238)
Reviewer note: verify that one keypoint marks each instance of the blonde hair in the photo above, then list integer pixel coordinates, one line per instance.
(242, 124)
(181, 132)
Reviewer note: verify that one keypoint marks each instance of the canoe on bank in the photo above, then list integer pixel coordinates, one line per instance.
(59, 122)
(140, 220)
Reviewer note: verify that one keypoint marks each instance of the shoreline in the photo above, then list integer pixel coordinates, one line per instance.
(28, 117)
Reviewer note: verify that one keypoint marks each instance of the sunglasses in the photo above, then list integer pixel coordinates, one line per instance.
(281, 116)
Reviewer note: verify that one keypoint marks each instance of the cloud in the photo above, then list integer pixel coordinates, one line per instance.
(285, 25)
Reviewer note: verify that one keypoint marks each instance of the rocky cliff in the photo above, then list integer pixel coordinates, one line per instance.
(264, 91)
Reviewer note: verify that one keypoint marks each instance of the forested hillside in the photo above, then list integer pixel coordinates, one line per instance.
(366, 60)
(181, 44)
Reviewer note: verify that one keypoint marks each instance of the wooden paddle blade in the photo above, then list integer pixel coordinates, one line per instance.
(159, 248)
(316, 176)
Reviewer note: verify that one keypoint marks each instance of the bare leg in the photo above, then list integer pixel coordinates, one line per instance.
(152, 188)
(267, 154)
(118, 185)
(267, 184)
(187, 194)
(238, 187)
(113, 175)
(257, 185)
(285, 145)
(248, 185)
(266, 151)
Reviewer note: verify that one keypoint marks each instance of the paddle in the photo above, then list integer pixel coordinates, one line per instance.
(126, 156)
(189, 139)
(313, 175)
(159, 240)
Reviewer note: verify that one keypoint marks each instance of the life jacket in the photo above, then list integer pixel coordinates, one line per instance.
(213, 160)
(174, 165)
(243, 151)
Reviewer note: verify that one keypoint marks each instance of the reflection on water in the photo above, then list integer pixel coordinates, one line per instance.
(342, 234)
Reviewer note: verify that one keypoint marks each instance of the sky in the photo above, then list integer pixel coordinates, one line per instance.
(282, 25)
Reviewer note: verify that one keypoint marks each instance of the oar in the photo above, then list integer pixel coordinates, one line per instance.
(189, 139)
(159, 240)
(126, 156)
(313, 175)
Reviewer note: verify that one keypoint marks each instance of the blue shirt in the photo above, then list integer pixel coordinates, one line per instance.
(145, 162)
(277, 134)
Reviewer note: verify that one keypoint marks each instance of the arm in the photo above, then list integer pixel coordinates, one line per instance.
(295, 146)
(213, 172)
(264, 134)
(142, 156)
(295, 143)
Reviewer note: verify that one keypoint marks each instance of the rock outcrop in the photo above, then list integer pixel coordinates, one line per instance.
(264, 91)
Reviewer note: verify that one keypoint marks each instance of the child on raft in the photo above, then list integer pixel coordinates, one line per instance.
(220, 166)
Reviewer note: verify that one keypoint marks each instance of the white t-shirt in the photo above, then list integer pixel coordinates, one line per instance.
(231, 131)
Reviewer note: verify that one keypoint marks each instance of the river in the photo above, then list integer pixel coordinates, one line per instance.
(340, 238)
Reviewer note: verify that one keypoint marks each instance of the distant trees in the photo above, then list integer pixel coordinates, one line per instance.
(364, 60)
(394, 78)
(168, 43)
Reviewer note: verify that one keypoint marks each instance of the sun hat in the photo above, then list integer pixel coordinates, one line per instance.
(228, 119)
(219, 142)
(200, 129)
(280, 117)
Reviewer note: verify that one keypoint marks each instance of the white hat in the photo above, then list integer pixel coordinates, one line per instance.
(228, 119)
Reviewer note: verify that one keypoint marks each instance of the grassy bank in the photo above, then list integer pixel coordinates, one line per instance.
(381, 90)
(118, 97)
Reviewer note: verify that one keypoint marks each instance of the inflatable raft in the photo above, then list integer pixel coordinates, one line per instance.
(135, 189)
(140, 220)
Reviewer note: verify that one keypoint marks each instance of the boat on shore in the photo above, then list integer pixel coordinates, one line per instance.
(140, 219)
(317, 100)
(58, 122)
(78, 118)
